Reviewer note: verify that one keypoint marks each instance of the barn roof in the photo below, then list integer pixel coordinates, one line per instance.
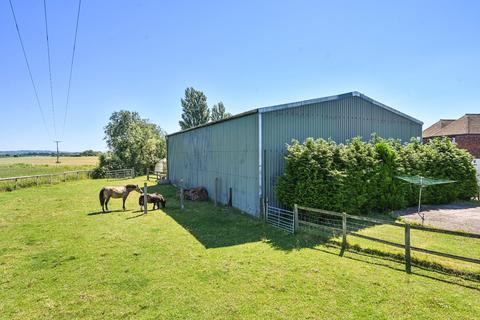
(304, 103)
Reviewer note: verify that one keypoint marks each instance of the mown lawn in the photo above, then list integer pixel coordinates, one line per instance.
(60, 258)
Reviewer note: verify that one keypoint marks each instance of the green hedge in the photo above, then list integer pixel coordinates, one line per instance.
(358, 177)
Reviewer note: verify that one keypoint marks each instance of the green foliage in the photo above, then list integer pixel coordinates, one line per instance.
(218, 112)
(133, 142)
(195, 110)
(89, 153)
(358, 177)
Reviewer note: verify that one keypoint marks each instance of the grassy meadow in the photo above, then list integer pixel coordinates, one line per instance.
(25, 166)
(29, 166)
(61, 258)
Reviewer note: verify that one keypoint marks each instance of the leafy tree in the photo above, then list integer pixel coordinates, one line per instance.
(133, 142)
(218, 112)
(195, 109)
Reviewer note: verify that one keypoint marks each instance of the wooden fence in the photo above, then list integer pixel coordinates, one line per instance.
(36, 180)
(344, 219)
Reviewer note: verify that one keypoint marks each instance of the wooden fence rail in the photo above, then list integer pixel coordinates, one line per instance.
(406, 245)
(49, 176)
(45, 175)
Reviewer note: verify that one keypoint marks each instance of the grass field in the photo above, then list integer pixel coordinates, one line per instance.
(61, 258)
(25, 166)
(445, 243)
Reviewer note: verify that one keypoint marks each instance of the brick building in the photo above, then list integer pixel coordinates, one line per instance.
(465, 132)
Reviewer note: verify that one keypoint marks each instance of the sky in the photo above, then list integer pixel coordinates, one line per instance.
(420, 57)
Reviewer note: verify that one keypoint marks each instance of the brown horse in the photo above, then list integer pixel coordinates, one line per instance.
(116, 192)
(155, 198)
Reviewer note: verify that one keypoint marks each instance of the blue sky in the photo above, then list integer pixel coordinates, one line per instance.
(421, 57)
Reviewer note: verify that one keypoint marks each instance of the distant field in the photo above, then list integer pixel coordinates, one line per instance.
(24, 166)
(69, 161)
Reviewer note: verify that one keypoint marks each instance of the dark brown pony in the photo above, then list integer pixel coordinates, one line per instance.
(116, 192)
(155, 198)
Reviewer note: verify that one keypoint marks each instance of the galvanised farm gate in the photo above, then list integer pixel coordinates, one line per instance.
(245, 153)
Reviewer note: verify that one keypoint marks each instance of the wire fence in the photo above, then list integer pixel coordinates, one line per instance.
(14, 183)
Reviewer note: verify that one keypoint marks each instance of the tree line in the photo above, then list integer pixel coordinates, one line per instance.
(135, 142)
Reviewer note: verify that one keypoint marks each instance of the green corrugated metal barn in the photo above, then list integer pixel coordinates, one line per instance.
(246, 152)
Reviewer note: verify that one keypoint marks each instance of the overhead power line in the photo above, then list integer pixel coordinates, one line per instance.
(71, 67)
(49, 68)
(29, 69)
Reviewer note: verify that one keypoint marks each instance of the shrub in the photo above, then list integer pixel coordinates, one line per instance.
(106, 161)
(358, 177)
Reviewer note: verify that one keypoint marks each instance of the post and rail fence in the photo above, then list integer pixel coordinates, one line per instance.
(13, 183)
(348, 225)
(341, 224)
(37, 179)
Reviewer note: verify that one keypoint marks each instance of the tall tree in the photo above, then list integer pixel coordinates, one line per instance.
(195, 109)
(218, 112)
(134, 142)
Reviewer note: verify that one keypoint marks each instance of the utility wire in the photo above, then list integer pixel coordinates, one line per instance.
(49, 68)
(28, 67)
(71, 67)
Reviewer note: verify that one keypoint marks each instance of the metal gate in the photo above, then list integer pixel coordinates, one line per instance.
(280, 218)
(120, 174)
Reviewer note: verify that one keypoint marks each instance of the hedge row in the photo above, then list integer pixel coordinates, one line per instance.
(358, 177)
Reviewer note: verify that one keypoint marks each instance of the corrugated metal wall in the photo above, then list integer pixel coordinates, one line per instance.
(337, 119)
(227, 150)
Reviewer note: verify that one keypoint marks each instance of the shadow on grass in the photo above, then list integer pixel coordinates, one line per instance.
(216, 227)
(101, 212)
(396, 262)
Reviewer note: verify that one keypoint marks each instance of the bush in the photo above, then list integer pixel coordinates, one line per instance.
(106, 161)
(358, 177)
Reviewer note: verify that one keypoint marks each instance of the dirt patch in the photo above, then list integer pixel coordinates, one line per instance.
(458, 216)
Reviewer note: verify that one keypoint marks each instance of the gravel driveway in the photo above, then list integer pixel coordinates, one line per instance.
(458, 216)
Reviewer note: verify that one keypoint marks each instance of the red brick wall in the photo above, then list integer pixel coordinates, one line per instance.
(470, 142)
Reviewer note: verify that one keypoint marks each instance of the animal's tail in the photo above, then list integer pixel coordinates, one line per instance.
(102, 197)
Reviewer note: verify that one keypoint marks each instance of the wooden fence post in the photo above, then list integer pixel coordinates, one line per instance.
(145, 198)
(262, 205)
(408, 261)
(181, 195)
(64, 177)
(16, 183)
(230, 201)
(266, 209)
(216, 191)
(295, 218)
(344, 234)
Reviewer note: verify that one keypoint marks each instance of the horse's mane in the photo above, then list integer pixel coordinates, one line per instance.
(131, 186)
